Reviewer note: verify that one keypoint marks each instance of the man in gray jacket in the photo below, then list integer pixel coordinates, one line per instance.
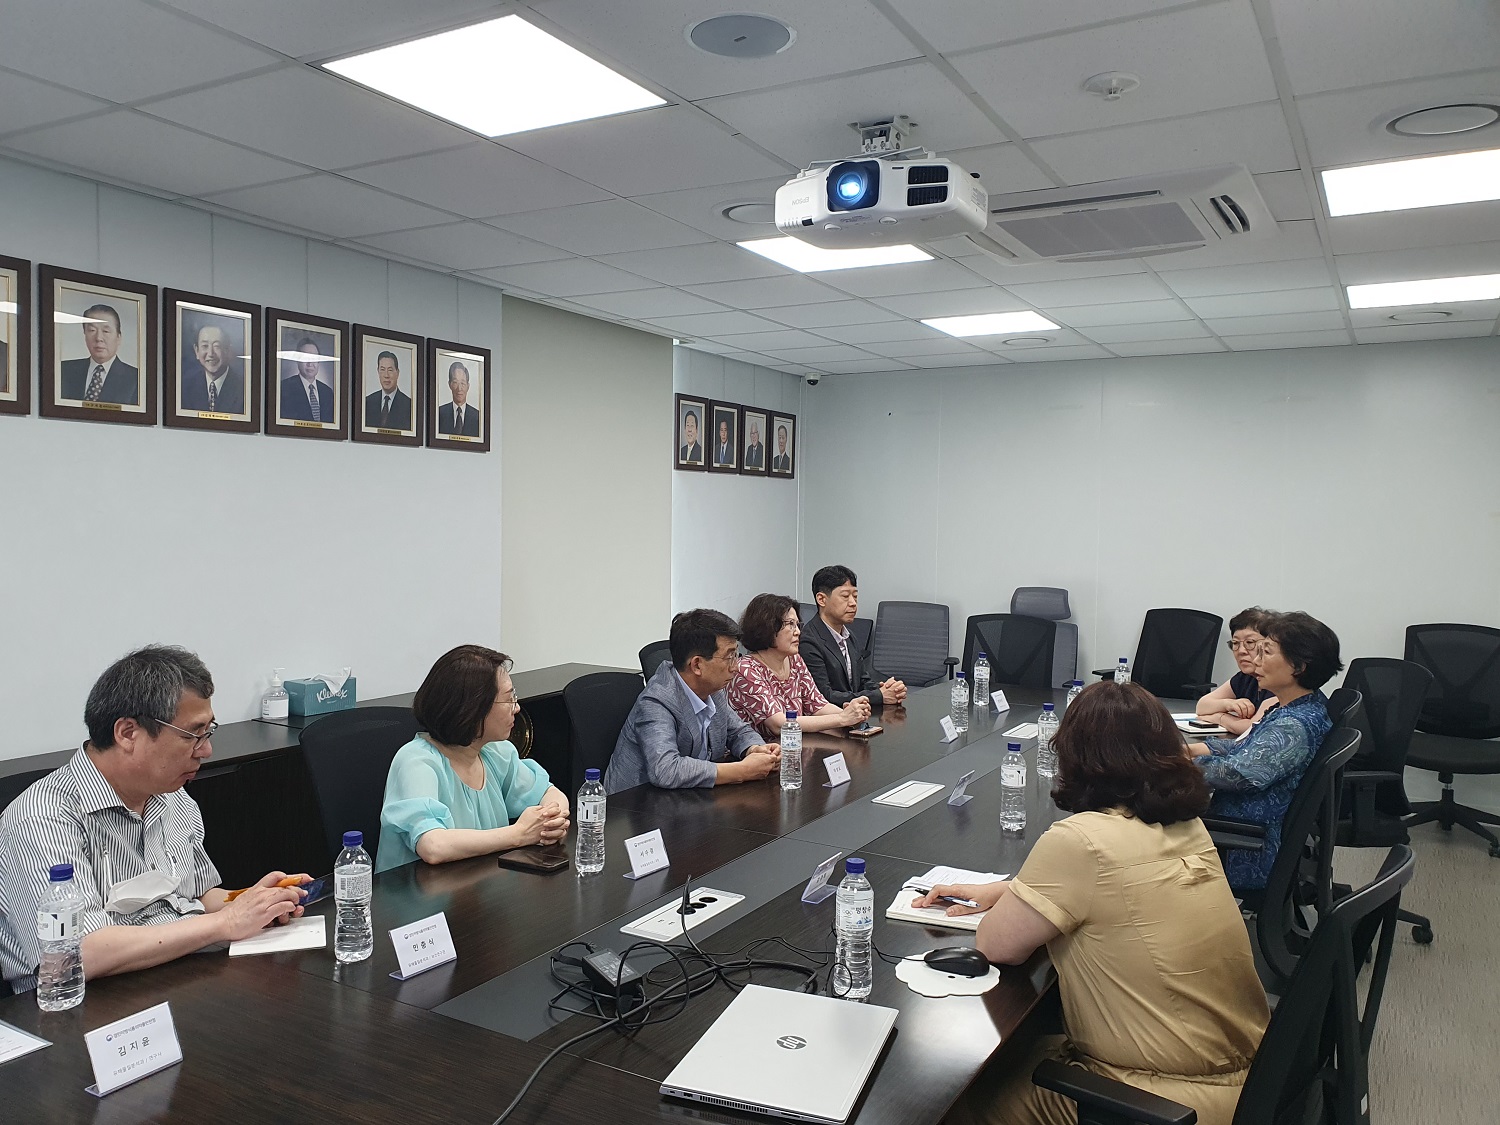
(682, 733)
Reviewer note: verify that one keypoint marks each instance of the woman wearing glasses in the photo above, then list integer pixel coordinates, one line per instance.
(459, 789)
(1239, 703)
(773, 680)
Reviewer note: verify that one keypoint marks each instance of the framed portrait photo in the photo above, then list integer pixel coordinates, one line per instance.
(387, 386)
(692, 422)
(98, 347)
(724, 437)
(306, 392)
(210, 379)
(754, 426)
(458, 401)
(784, 445)
(15, 336)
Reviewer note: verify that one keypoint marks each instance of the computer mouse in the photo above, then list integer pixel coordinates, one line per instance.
(960, 960)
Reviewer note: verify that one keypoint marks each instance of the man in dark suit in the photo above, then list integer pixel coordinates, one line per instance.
(755, 452)
(839, 665)
(724, 451)
(458, 417)
(217, 386)
(103, 377)
(782, 462)
(388, 408)
(692, 452)
(305, 397)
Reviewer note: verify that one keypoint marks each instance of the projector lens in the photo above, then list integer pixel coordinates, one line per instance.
(853, 185)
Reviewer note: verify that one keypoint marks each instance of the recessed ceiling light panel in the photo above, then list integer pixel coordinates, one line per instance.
(499, 77)
(1445, 120)
(991, 324)
(806, 258)
(1428, 181)
(741, 35)
(1429, 291)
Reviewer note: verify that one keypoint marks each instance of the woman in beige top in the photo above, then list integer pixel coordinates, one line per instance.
(1153, 961)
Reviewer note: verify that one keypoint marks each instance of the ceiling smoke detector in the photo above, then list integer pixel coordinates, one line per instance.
(1112, 85)
(1445, 120)
(753, 212)
(741, 36)
(1420, 316)
(1027, 341)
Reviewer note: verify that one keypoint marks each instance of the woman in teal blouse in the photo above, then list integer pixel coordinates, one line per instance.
(459, 789)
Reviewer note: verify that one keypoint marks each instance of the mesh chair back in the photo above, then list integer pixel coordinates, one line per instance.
(1463, 699)
(1346, 708)
(653, 656)
(1175, 657)
(1393, 693)
(911, 642)
(1051, 602)
(806, 611)
(17, 783)
(1302, 874)
(1315, 1052)
(1019, 648)
(860, 631)
(348, 756)
(598, 705)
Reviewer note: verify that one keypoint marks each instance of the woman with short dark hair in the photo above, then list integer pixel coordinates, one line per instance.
(1255, 775)
(1240, 701)
(773, 679)
(1153, 961)
(460, 789)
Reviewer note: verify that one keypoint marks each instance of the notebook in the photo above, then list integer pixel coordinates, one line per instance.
(901, 910)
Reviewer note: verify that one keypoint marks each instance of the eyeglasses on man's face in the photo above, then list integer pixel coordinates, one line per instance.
(198, 739)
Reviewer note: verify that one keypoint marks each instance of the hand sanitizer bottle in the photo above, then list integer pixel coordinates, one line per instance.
(274, 704)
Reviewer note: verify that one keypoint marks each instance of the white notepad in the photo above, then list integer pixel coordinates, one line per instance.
(1183, 720)
(1020, 730)
(901, 910)
(299, 933)
(907, 794)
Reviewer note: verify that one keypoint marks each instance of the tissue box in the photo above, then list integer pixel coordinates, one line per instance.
(312, 697)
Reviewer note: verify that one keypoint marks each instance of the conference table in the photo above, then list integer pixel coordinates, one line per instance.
(296, 1036)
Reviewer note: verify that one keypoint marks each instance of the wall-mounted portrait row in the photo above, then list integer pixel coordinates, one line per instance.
(323, 379)
(725, 437)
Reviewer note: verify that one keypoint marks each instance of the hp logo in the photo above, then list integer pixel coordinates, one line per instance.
(791, 1042)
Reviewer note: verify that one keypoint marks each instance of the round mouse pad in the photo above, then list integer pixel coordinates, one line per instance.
(927, 981)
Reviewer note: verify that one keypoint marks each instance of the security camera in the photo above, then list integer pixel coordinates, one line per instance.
(811, 378)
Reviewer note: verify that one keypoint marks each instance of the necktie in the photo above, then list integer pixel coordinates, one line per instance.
(385, 413)
(458, 420)
(312, 399)
(96, 384)
(213, 396)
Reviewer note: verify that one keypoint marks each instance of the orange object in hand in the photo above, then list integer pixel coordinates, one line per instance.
(289, 881)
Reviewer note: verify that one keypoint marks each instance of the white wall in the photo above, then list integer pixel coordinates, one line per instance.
(255, 551)
(1359, 484)
(732, 536)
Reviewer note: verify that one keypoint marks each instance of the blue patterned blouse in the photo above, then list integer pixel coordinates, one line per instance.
(1254, 779)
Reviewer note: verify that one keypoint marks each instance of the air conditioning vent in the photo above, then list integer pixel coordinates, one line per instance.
(927, 174)
(916, 196)
(1232, 213)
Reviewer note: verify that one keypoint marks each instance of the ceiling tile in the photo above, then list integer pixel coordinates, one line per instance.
(330, 28)
(1411, 265)
(570, 277)
(1127, 312)
(879, 333)
(1285, 194)
(330, 206)
(650, 37)
(1091, 291)
(611, 226)
(1391, 333)
(1263, 304)
(957, 25)
(823, 354)
(1282, 324)
(651, 150)
(29, 103)
(960, 302)
(478, 181)
(703, 208)
(1462, 312)
(1255, 136)
(1329, 338)
(716, 324)
(1012, 273)
(123, 50)
(1263, 277)
(697, 265)
(938, 362)
(1002, 168)
(1056, 354)
(1337, 43)
(942, 345)
(1206, 58)
(1293, 240)
(1061, 338)
(310, 116)
(912, 277)
(822, 315)
(464, 246)
(765, 341)
(1166, 347)
(1112, 334)
(1348, 127)
(130, 146)
(862, 366)
(649, 303)
(1420, 227)
(766, 292)
(778, 119)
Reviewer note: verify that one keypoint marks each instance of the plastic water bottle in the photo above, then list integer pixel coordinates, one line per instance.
(1013, 790)
(791, 752)
(1122, 673)
(982, 680)
(1074, 689)
(353, 882)
(588, 856)
(959, 712)
(275, 703)
(855, 926)
(59, 978)
(1046, 730)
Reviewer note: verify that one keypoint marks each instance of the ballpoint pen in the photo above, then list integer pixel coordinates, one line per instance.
(925, 890)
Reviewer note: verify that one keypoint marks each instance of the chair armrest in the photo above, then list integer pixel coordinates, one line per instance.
(1241, 835)
(1119, 1100)
(1363, 785)
(1103, 673)
(950, 663)
(1197, 691)
(1370, 778)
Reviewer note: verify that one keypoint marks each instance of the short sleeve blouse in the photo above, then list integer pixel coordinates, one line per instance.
(756, 693)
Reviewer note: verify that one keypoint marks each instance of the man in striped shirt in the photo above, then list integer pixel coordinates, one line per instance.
(116, 811)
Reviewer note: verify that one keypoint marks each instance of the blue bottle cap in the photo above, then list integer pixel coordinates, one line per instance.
(984, 654)
(1047, 707)
(1077, 683)
(60, 873)
(354, 839)
(791, 716)
(959, 674)
(1124, 660)
(1013, 747)
(590, 775)
(854, 865)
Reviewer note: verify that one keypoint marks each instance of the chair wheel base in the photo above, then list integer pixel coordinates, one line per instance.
(1422, 935)
(1495, 851)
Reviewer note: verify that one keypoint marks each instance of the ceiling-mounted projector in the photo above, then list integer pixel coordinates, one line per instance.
(881, 201)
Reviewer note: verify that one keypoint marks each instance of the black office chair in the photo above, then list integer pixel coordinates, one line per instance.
(910, 642)
(1374, 808)
(1175, 656)
(1020, 648)
(598, 705)
(653, 656)
(348, 756)
(806, 611)
(17, 783)
(1051, 602)
(1461, 712)
(1313, 1062)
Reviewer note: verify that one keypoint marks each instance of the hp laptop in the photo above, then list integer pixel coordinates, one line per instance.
(789, 1054)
